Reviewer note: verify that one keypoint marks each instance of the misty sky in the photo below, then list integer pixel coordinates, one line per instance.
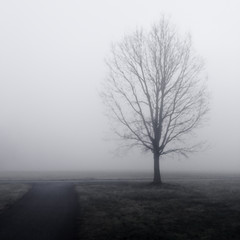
(52, 65)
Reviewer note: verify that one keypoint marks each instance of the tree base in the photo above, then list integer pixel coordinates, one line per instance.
(156, 183)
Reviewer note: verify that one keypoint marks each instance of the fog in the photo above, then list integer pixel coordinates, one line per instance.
(52, 66)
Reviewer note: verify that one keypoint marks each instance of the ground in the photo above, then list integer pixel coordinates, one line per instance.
(196, 209)
(10, 193)
(47, 212)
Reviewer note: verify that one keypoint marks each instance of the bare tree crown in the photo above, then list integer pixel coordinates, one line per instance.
(154, 89)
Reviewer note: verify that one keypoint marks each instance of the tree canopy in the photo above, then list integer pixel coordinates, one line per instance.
(155, 90)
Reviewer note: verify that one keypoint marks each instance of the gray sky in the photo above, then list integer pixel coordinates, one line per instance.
(52, 65)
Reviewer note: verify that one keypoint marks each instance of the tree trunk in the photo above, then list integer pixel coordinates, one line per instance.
(157, 176)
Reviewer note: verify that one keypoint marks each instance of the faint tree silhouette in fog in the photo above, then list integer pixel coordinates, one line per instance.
(154, 89)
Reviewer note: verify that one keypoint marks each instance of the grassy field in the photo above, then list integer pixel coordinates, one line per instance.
(126, 206)
(180, 209)
(11, 192)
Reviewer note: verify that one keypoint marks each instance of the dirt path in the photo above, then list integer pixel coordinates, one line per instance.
(48, 211)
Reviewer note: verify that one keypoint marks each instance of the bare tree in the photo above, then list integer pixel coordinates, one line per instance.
(155, 91)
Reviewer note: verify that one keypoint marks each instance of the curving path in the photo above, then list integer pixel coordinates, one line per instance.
(48, 211)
